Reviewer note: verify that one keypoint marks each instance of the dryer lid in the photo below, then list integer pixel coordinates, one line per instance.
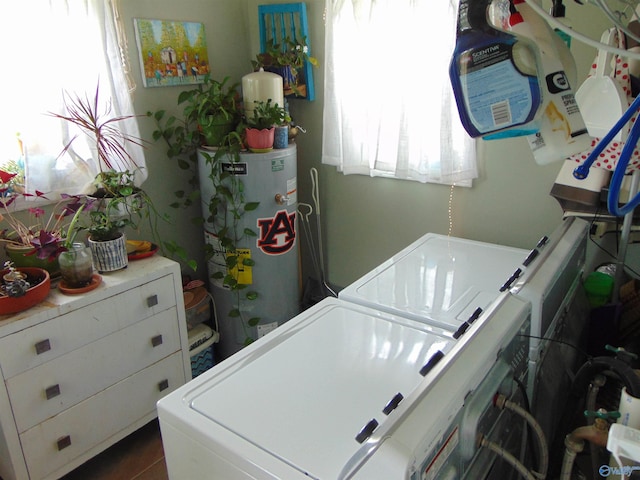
(438, 279)
(304, 394)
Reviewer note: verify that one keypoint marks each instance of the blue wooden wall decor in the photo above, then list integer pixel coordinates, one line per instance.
(286, 20)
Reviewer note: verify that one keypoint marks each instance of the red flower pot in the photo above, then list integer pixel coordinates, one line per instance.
(41, 285)
(259, 141)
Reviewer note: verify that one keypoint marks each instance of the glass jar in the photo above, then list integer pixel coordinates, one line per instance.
(76, 266)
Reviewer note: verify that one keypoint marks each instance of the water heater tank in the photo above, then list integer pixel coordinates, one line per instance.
(270, 179)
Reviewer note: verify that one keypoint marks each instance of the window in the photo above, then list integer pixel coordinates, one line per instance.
(389, 108)
(51, 47)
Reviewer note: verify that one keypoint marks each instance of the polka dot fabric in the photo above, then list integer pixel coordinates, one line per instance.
(608, 159)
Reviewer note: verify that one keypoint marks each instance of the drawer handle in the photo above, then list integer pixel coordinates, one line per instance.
(157, 340)
(152, 301)
(43, 346)
(163, 385)
(52, 391)
(64, 442)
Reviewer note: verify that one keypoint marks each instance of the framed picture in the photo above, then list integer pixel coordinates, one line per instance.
(171, 52)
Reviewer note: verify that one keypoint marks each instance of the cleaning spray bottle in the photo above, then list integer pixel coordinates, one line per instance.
(562, 129)
(495, 76)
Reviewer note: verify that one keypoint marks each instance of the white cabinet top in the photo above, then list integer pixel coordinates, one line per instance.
(57, 303)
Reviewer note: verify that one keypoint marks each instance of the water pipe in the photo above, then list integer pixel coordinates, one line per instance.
(596, 434)
(502, 402)
(507, 457)
(596, 384)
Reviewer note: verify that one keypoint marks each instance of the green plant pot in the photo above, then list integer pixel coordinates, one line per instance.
(18, 255)
(214, 133)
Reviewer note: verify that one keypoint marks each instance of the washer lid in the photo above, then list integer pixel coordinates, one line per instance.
(438, 279)
(310, 386)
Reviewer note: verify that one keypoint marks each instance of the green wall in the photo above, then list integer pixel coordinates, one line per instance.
(365, 220)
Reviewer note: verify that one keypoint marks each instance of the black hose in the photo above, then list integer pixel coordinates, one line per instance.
(591, 367)
(614, 366)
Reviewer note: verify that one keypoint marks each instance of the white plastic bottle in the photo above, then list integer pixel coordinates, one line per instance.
(562, 129)
(558, 46)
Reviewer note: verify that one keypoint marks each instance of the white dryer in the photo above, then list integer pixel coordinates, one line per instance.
(344, 391)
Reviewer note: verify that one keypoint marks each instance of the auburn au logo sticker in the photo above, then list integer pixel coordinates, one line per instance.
(277, 234)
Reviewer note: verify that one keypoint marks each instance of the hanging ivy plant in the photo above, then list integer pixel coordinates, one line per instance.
(227, 204)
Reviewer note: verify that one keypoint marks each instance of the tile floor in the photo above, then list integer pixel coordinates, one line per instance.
(137, 457)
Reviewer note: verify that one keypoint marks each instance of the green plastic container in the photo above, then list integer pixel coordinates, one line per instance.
(598, 287)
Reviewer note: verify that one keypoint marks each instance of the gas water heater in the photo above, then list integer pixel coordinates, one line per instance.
(271, 292)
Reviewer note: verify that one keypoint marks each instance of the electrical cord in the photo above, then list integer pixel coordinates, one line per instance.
(562, 342)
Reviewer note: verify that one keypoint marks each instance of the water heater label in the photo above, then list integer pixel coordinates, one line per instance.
(277, 164)
(241, 272)
(235, 168)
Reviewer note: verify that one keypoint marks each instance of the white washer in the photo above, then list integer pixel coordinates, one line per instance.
(291, 404)
(438, 279)
(443, 280)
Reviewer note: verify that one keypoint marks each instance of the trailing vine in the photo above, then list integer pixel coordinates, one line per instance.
(226, 207)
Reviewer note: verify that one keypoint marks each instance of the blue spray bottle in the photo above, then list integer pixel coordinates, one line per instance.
(495, 75)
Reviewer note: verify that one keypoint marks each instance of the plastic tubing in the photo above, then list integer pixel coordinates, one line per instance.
(578, 36)
(507, 457)
(615, 185)
(618, 175)
(537, 429)
(582, 171)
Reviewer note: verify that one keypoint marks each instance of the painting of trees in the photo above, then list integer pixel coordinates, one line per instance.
(171, 52)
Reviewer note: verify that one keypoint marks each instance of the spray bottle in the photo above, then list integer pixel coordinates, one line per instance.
(495, 76)
(562, 129)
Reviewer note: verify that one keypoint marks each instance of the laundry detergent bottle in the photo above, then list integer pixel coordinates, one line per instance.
(495, 76)
(562, 130)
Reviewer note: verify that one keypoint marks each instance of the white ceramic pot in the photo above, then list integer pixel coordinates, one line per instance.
(109, 255)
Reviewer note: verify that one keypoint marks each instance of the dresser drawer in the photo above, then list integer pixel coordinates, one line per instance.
(48, 389)
(34, 346)
(52, 444)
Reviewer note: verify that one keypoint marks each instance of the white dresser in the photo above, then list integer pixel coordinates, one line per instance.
(81, 372)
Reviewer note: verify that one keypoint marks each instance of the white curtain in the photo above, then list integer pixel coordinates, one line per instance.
(51, 47)
(389, 109)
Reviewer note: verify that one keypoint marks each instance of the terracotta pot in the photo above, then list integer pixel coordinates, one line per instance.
(260, 141)
(40, 286)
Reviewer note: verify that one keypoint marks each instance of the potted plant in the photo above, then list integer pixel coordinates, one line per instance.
(76, 261)
(226, 206)
(214, 107)
(102, 128)
(22, 288)
(260, 126)
(120, 202)
(33, 237)
(287, 59)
